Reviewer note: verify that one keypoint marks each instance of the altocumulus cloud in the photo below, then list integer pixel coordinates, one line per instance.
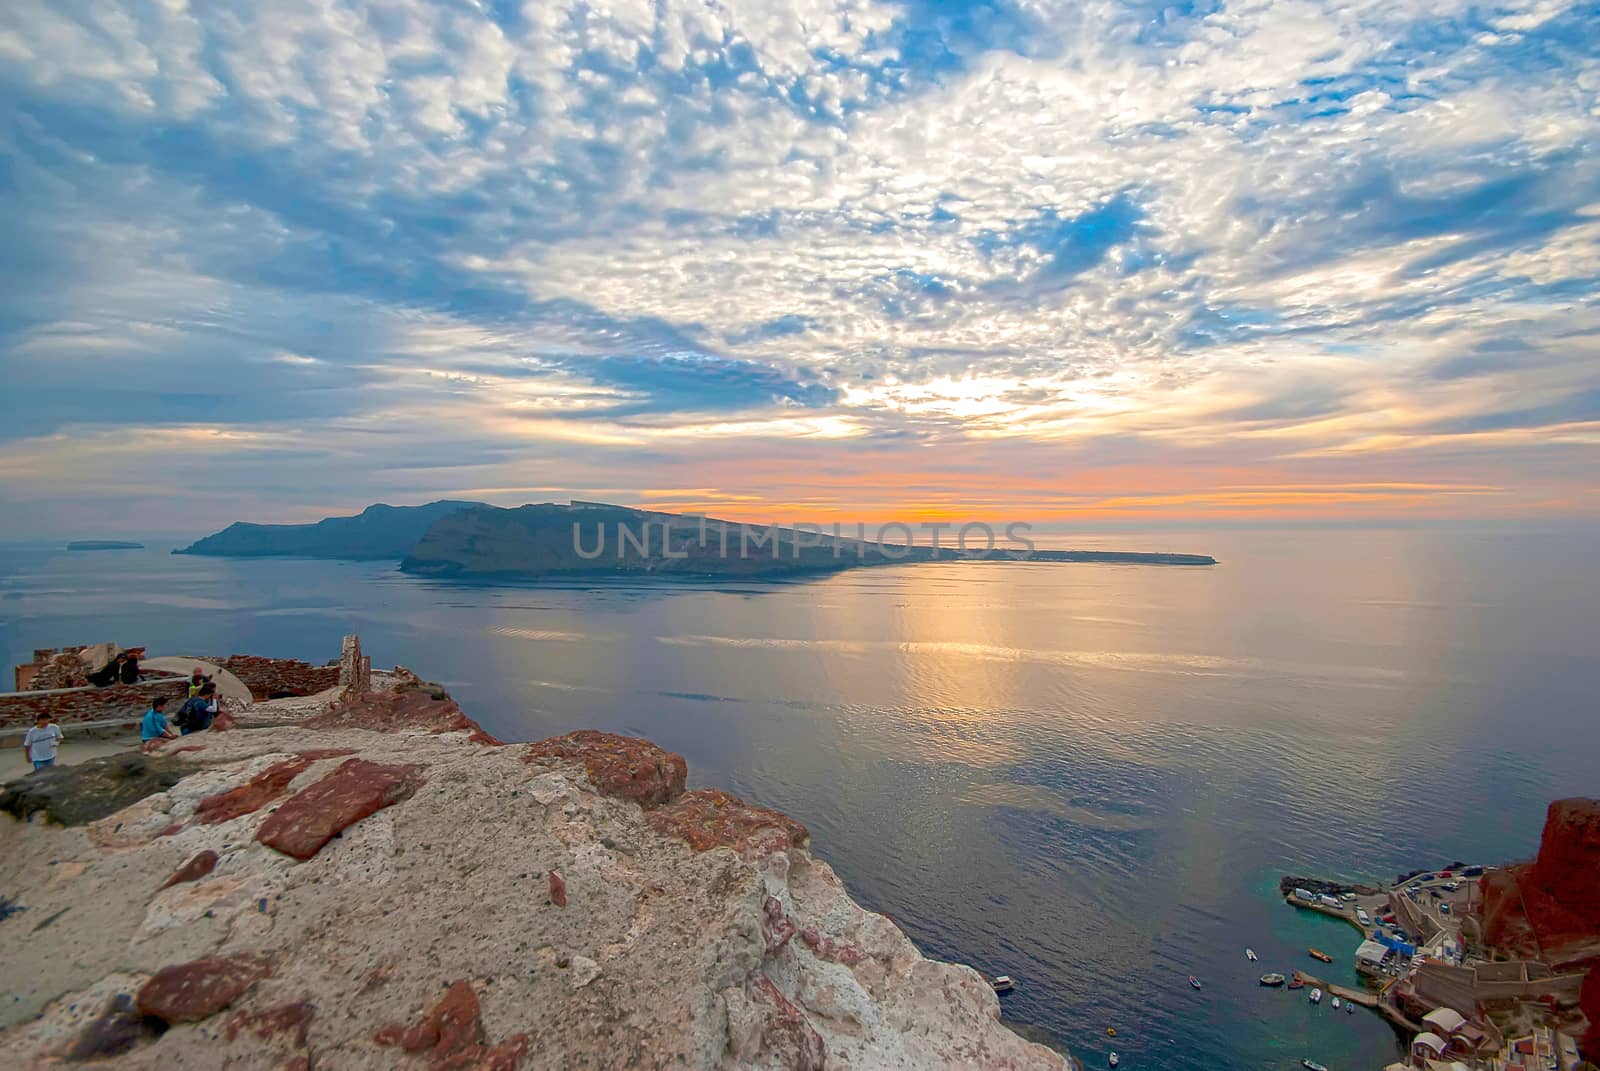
(313, 253)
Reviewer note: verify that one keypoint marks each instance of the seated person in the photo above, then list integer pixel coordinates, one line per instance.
(109, 673)
(128, 668)
(153, 728)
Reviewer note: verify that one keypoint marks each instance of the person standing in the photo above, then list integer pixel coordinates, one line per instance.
(41, 742)
(154, 728)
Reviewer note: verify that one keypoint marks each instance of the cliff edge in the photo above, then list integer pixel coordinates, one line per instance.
(1549, 909)
(384, 885)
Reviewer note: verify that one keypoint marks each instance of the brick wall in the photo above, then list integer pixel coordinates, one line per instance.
(69, 705)
(273, 678)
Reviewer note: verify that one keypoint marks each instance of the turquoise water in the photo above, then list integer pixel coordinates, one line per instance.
(1087, 776)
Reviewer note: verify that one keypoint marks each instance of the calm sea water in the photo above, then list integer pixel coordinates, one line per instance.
(1086, 776)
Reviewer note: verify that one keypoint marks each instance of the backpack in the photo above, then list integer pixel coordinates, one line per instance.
(190, 714)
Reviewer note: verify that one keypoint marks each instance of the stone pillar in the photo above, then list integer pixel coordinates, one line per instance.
(355, 669)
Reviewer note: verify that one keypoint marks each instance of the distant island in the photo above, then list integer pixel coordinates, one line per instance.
(378, 532)
(470, 540)
(103, 544)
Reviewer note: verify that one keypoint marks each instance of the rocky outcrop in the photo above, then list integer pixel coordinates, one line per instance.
(414, 896)
(76, 795)
(1550, 909)
(317, 814)
(621, 766)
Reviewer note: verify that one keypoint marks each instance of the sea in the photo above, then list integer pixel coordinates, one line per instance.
(1087, 776)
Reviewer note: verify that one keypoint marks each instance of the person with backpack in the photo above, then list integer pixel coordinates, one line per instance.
(198, 710)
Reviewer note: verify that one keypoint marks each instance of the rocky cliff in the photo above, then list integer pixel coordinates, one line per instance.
(386, 886)
(1549, 909)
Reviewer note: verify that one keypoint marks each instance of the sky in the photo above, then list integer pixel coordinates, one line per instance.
(1089, 263)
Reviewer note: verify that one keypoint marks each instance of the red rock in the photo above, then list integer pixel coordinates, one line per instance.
(710, 818)
(252, 795)
(401, 708)
(222, 722)
(193, 870)
(452, 1035)
(558, 889)
(787, 1031)
(827, 948)
(622, 766)
(1550, 909)
(311, 817)
(777, 926)
(189, 992)
(267, 1024)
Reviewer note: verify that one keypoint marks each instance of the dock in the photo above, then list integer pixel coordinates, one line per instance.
(1363, 997)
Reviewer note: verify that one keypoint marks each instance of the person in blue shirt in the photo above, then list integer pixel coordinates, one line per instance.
(154, 728)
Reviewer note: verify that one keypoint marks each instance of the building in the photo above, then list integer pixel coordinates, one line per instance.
(1427, 1046)
(1462, 1038)
(1374, 957)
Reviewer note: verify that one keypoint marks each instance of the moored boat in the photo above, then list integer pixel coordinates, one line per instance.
(1317, 953)
(1297, 982)
(1003, 983)
(1250, 954)
(1274, 979)
(1350, 1007)
(1336, 1003)
(1316, 996)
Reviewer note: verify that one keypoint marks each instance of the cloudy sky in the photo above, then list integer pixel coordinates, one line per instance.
(1116, 263)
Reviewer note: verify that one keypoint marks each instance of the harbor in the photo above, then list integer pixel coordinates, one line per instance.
(1428, 967)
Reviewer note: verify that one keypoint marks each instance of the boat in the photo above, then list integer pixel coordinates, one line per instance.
(1297, 982)
(1111, 1031)
(1312, 1065)
(1336, 1003)
(1274, 979)
(1112, 1060)
(1194, 981)
(1350, 1007)
(1319, 954)
(1003, 983)
(1316, 996)
(1250, 954)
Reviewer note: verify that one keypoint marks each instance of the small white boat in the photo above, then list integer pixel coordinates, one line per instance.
(1350, 1007)
(1312, 1065)
(1113, 1060)
(1316, 996)
(1336, 1003)
(1003, 983)
(1250, 954)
